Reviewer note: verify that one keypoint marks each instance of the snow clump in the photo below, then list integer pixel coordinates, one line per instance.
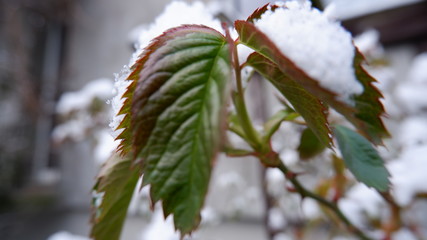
(316, 44)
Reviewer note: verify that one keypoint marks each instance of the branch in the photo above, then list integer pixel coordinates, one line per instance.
(252, 136)
(332, 206)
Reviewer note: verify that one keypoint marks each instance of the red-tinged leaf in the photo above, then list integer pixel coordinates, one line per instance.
(259, 11)
(115, 183)
(368, 105)
(310, 108)
(255, 39)
(125, 137)
(177, 115)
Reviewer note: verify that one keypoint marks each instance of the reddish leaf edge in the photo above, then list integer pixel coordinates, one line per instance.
(357, 115)
(366, 115)
(261, 10)
(143, 63)
(368, 104)
(126, 135)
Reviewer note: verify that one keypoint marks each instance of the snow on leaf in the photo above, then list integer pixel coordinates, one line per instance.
(177, 115)
(116, 183)
(362, 159)
(366, 113)
(125, 137)
(255, 39)
(314, 43)
(310, 107)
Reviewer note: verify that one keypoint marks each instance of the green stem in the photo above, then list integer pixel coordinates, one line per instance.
(252, 135)
(332, 206)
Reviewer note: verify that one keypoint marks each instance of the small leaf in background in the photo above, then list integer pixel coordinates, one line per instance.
(309, 145)
(178, 111)
(362, 159)
(115, 183)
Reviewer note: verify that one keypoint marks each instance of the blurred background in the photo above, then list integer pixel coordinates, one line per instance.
(57, 59)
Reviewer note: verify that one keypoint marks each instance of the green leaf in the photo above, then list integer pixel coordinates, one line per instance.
(310, 107)
(368, 105)
(362, 159)
(178, 111)
(309, 145)
(125, 137)
(116, 183)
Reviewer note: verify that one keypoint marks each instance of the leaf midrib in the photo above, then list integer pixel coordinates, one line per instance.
(199, 117)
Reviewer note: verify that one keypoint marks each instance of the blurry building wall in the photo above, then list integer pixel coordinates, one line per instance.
(98, 46)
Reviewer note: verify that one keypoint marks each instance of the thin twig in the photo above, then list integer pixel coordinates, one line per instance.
(332, 206)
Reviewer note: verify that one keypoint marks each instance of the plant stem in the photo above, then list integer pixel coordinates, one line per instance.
(252, 136)
(332, 206)
(395, 220)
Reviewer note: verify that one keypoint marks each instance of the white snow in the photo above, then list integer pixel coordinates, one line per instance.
(175, 14)
(368, 43)
(210, 216)
(71, 101)
(275, 181)
(404, 234)
(289, 156)
(282, 236)
(310, 208)
(316, 44)
(105, 146)
(413, 97)
(418, 73)
(74, 129)
(159, 228)
(359, 202)
(409, 174)
(412, 132)
(412, 93)
(64, 235)
(75, 108)
(276, 219)
(120, 87)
